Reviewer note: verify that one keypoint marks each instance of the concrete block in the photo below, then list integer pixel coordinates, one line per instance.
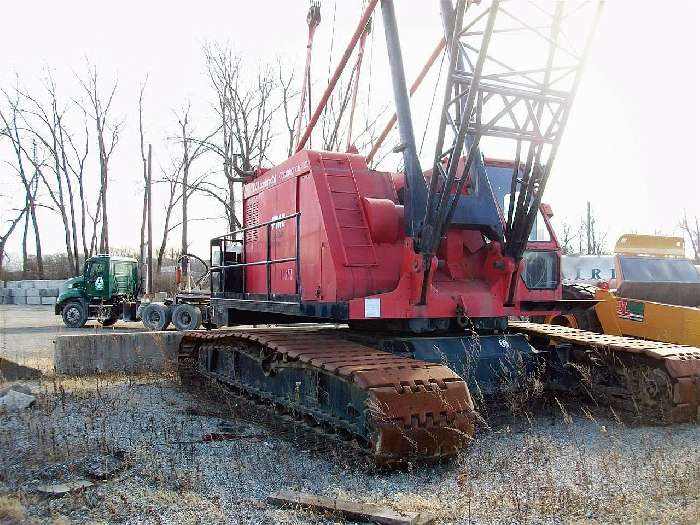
(19, 300)
(32, 292)
(26, 284)
(48, 292)
(97, 353)
(48, 300)
(13, 284)
(33, 299)
(18, 292)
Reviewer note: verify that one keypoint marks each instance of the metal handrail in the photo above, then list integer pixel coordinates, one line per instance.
(256, 226)
(268, 262)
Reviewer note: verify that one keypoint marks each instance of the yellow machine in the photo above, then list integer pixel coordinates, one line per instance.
(655, 294)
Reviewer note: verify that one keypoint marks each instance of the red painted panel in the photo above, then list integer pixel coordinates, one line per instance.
(353, 246)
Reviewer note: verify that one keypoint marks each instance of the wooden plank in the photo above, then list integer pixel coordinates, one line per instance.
(349, 509)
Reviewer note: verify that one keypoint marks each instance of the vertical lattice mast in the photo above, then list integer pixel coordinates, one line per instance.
(513, 72)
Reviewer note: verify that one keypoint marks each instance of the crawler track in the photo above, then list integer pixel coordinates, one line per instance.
(652, 380)
(398, 409)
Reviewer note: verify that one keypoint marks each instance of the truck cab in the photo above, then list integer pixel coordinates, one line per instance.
(109, 284)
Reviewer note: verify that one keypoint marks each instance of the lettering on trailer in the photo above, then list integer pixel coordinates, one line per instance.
(99, 283)
(272, 178)
(631, 310)
(587, 268)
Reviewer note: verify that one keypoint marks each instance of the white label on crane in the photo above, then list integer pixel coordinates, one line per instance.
(373, 307)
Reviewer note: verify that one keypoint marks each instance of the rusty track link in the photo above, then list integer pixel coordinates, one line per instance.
(411, 410)
(662, 377)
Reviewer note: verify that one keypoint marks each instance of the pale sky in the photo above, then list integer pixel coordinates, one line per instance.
(630, 146)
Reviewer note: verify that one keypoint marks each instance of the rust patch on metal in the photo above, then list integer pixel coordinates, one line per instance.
(419, 410)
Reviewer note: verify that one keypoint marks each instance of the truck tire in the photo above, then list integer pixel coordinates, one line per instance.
(74, 314)
(187, 317)
(156, 316)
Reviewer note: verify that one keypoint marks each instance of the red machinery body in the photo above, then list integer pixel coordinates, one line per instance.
(352, 251)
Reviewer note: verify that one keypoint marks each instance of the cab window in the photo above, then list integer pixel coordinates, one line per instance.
(96, 269)
(122, 269)
(539, 232)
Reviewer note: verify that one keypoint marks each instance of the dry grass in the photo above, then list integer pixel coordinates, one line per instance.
(561, 465)
(11, 510)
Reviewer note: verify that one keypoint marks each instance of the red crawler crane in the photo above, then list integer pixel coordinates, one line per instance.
(425, 267)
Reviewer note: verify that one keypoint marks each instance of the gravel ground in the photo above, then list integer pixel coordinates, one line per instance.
(559, 466)
(554, 468)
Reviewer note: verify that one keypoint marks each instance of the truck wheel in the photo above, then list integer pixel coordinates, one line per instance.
(74, 315)
(156, 316)
(187, 317)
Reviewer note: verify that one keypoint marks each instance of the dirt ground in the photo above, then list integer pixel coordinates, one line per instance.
(564, 463)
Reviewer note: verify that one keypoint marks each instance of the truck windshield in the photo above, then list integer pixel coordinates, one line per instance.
(657, 269)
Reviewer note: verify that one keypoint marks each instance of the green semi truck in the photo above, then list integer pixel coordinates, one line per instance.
(109, 290)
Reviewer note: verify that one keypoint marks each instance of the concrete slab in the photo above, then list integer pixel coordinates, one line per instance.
(48, 300)
(26, 284)
(18, 300)
(33, 292)
(18, 292)
(122, 353)
(48, 292)
(33, 300)
(12, 284)
(11, 371)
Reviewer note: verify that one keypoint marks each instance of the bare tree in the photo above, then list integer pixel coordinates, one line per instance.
(567, 236)
(245, 113)
(5, 236)
(176, 190)
(691, 227)
(46, 124)
(173, 180)
(189, 155)
(78, 169)
(589, 232)
(146, 268)
(107, 137)
(12, 131)
(285, 81)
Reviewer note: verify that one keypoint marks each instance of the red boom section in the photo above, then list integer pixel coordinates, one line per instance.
(352, 246)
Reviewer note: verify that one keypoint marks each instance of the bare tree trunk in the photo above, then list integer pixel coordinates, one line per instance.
(104, 234)
(231, 212)
(30, 194)
(185, 176)
(149, 188)
(6, 235)
(144, 210)
(101, 108)
(71, 203)
(166, 230)
(25, 257)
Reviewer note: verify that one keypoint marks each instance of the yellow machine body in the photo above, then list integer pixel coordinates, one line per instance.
(647, 319)
(638, 316)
